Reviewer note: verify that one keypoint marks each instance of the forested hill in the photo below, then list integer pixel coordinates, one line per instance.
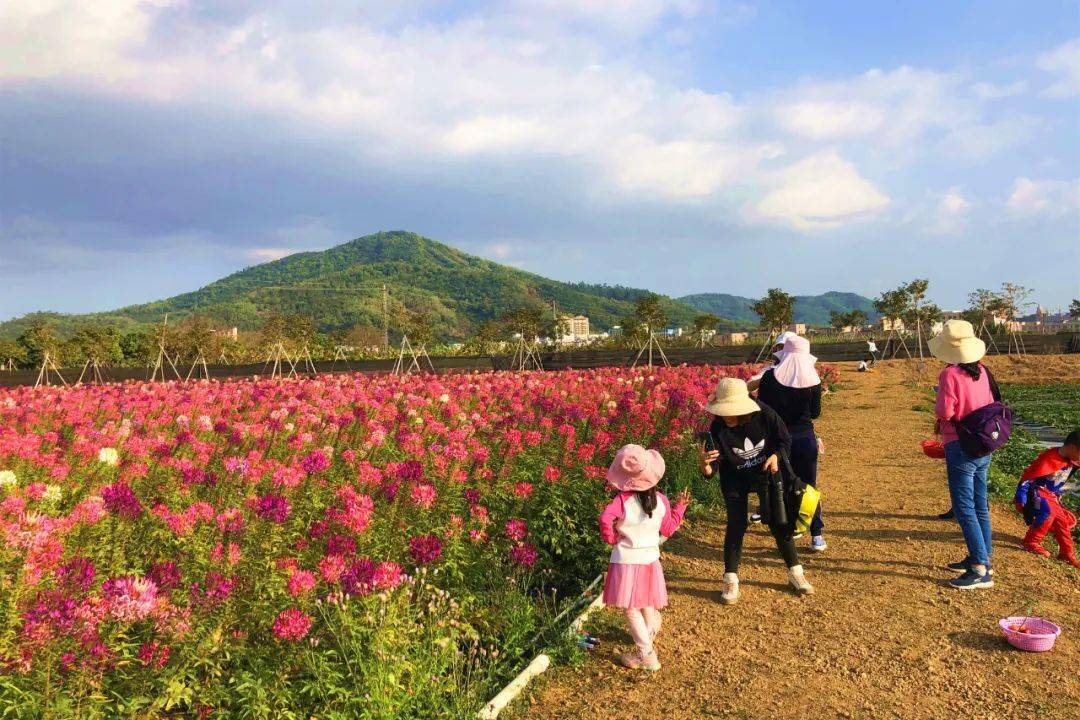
(342, 287)
(811, 309)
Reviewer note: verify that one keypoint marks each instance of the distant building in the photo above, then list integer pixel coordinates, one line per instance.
(575, 329)
(230, 333)
(797, 328)
(737, 338)
(892, 324)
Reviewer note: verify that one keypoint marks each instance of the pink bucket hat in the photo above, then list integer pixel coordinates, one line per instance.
(635, 468)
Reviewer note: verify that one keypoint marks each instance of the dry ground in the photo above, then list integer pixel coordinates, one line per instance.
(884, 637)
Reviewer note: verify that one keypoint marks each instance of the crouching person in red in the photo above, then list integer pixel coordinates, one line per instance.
(1038, 498)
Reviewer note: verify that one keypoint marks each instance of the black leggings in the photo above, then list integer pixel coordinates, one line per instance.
(735, 499)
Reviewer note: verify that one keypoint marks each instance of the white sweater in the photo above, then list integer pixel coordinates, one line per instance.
(639, 534)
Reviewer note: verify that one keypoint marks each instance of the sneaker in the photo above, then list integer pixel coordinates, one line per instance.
(797, 536)
(947, 515)
(798, 581)
(730, 594)
(964, 565)
(972, 580)
(755, 518)
(818, 544)
(636, 661)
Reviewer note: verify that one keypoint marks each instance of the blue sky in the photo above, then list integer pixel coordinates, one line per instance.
(150, 147)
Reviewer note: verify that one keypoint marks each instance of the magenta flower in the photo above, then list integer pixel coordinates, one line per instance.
(292, 624)
(121, 500)
(301, 582)
(524, 554)
(423, 495)
(315, 462)
(130, 598)
(516, 529)
(425, 548)
(274, 508)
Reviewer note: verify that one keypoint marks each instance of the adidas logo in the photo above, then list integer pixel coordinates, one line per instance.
(749, 450)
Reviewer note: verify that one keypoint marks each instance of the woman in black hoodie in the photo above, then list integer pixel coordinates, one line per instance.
(747, 440)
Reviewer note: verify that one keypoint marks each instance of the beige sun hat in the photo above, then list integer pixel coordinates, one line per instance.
(956, 343)
(731, 398)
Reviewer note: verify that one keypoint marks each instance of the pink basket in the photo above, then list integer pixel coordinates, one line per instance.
(1040, 636)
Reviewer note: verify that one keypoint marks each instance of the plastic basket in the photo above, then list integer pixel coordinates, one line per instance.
(1040, 635)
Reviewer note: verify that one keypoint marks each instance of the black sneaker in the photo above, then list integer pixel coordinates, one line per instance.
(947, 515)
(755, 518)
(972, 580)
(964, 565)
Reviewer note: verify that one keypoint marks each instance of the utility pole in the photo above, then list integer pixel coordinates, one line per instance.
(386, 319)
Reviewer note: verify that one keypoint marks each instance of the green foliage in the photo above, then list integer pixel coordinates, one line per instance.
(776, 309)
(650, 312)
(813, 310)
(342, 287)
(38, 339)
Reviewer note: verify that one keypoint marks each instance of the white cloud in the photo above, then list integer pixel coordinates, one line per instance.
(990, 91)
(269, 254)
(529, 79)
(950, 214)
(820, 191)
(831, 120)
(1063, 61)
(1043, 198)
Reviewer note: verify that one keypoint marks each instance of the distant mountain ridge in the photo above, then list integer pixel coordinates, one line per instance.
(810, 309)
(343, 286)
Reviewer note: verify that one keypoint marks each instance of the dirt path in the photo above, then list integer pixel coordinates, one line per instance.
(882, 638)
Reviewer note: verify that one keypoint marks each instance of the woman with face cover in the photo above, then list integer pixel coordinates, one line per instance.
(793, 390)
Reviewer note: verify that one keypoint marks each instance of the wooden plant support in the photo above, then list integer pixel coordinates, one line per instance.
(48, 366)
(650, 345)
(199, 365)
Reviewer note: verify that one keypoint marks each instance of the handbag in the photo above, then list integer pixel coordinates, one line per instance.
(986, 429)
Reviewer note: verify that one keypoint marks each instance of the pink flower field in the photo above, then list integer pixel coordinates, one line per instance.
(338, 546)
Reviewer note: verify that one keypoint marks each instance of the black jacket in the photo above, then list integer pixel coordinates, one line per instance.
(744, 448)
(797, 407)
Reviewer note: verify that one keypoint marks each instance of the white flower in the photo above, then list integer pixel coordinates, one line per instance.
(109, 456)
(7, 479)
(52, 494)
(444, 398)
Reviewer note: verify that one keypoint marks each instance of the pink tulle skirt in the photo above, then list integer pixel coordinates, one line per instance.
(635, 586)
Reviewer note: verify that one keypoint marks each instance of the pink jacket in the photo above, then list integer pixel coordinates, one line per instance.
(635, 536)
(957, 396)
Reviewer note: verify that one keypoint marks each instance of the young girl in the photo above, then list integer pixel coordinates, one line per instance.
(633, 523)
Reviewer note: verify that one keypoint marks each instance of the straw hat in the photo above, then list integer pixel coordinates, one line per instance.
(957, 344)
(635, 468)
(731, 398)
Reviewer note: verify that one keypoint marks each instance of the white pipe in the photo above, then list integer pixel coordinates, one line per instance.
(498, 703)
(541, 663)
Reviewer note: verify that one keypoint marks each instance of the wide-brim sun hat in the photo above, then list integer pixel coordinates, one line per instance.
(635, 468)
(957, 344)
(731, 399)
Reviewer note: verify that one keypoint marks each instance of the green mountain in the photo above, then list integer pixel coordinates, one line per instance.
(343, 286)
(810, 309)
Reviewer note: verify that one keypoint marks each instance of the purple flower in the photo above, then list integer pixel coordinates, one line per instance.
(315, 461)
(357, 578)
(120, 499)
(165, 575)
(524, 554)
(78, 573)
(272, 507)
(425, 548)
(410, 470)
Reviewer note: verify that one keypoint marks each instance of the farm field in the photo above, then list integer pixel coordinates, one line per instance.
(339, 546)
(1056, 405)
(883, 637)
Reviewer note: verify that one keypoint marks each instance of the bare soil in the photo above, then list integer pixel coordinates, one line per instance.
(884, 636)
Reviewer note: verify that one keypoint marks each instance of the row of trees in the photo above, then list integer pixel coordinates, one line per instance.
(197, 336)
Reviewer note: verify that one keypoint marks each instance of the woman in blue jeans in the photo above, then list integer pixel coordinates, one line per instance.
(963, 387)
(793, 390)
